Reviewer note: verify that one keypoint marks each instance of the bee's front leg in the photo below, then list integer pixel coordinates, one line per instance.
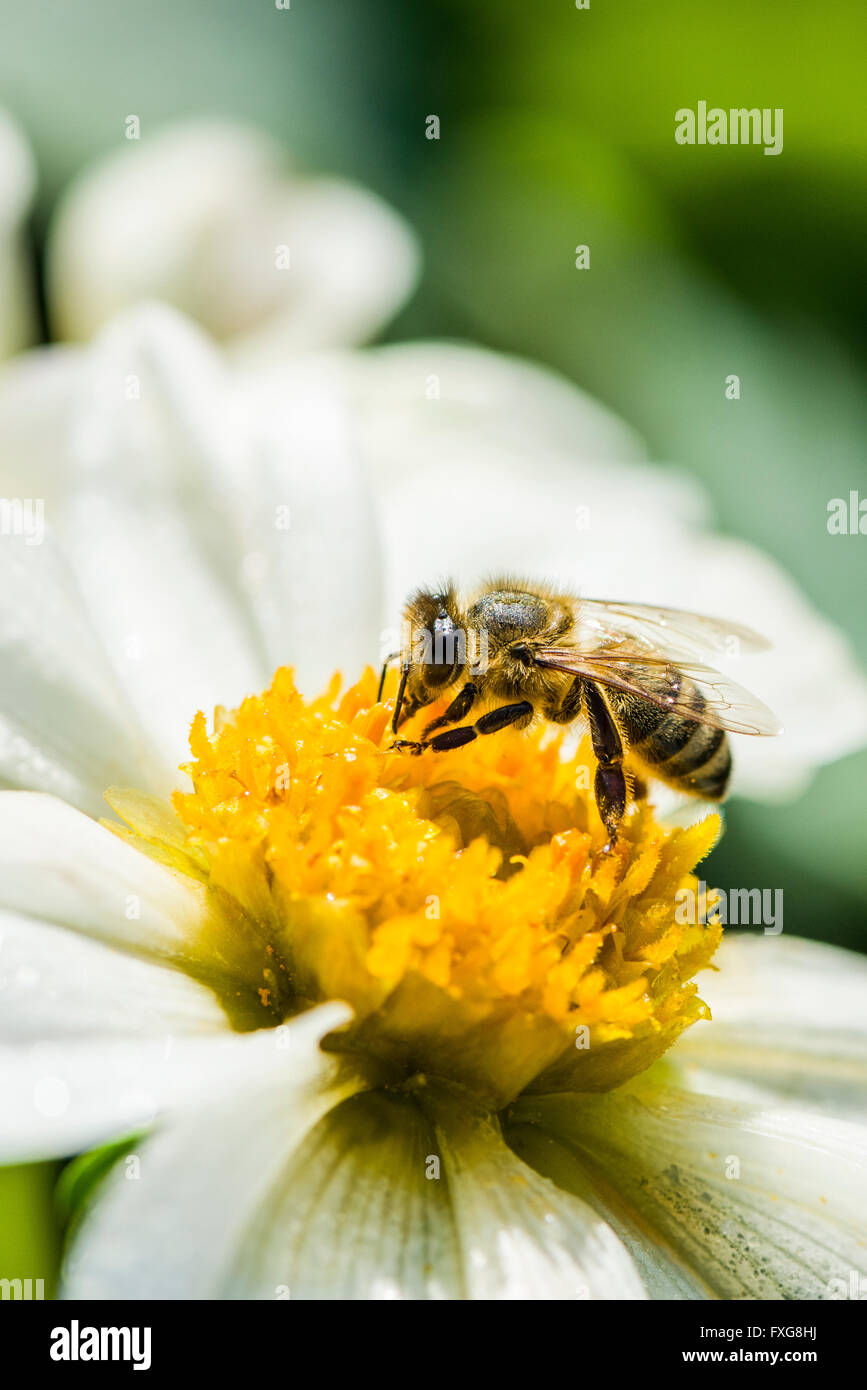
(406, 745)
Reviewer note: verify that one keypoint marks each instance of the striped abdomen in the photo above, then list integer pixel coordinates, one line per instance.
(692, 756)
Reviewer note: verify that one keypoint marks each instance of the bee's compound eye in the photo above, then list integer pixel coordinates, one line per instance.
(446, 646)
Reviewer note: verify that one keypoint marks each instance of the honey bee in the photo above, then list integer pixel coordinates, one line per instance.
(634, 672)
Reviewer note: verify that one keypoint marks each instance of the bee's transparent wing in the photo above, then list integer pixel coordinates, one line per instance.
(706, 695)
(661, 632)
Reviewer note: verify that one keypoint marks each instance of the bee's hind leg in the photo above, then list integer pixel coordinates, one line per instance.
(610, 783)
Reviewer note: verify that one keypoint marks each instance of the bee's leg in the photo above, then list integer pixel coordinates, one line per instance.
(403, 708)
(568, 709)
(457, 710)
(409, 706)
(610, 782)
(385, 665)
(490, 723)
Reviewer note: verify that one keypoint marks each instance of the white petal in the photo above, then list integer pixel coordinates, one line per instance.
(353, 1214)
(789, 1019)
(482, 462)
(758, 1202)
(177, 643)
(215, 532)
(65, 726)
(520, 1236)
(342, 1203)
(17, 188)
(131, 447)
(59, 866)
(198, 216)
(263, 487)
(312, 569)
(56, 984)
(142, 410)
(662, 1270)
(80, 1026)
(174, 1233)
(43, 450)
(278, 1199)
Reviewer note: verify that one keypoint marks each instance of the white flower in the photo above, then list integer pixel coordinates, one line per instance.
(17, 188)
(167, 582)
(205, 215)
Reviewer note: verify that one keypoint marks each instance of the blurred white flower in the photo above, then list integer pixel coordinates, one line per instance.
(205, 525)
(17, 189)
(206, 216)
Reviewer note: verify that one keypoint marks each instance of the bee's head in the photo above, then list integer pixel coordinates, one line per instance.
(434, 642)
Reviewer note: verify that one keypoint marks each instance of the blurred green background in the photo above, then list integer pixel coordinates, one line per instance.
(557, 128)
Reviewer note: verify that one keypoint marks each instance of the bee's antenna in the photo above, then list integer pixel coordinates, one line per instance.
(404, 673)
(385, 665)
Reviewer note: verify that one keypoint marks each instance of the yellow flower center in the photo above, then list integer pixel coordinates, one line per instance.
(464, 903)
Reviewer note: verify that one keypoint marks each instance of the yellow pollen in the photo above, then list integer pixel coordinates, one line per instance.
(463, 903)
